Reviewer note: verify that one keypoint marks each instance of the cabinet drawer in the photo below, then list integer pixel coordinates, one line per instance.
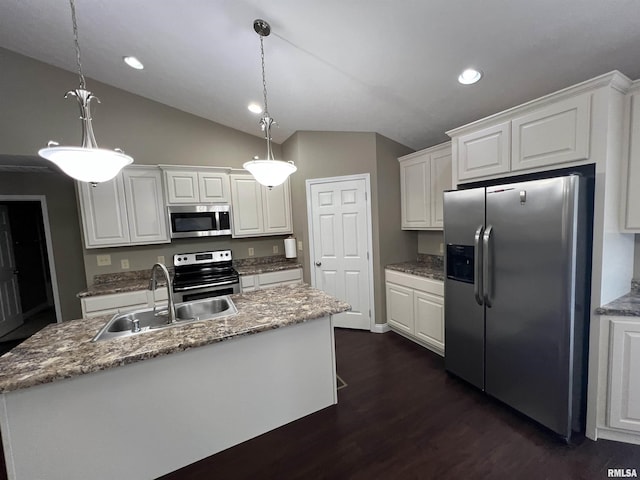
(281, 276)
(435, 287)
(117, 300)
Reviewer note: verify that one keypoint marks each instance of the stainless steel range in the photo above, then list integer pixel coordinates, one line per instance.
(204, 275)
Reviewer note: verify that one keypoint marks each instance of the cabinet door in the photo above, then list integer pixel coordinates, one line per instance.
(484, 152)
(182, 187)
(554, 134)
(632, 217)
(145, 206)
(104, 213)
(400, 308)
(429, 319)
(246, 201)
(277, 209)
(624, 375)
(440, 181)
(415, 176)
(214, 187)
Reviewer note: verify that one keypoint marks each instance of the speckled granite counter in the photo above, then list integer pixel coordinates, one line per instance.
(627, 306)
(429, 266)
(65, 350)
(120, 282)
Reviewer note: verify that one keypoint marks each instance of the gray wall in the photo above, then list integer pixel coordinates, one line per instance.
(60, 194)
(429, 242)
(332, 154)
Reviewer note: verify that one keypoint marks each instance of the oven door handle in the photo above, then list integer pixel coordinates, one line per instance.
(206, 285)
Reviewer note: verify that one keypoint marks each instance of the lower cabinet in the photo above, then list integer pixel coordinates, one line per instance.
(249, 283)
(111, 304)
(624, 374)
(415, 308)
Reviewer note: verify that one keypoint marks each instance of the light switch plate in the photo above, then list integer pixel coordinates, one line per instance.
(160, 259)
(299, 245)
(124, 263)
(251, 251)
(103, 260)
(275, 249)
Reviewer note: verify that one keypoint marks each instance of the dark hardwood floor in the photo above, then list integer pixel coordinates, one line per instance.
(403, 417)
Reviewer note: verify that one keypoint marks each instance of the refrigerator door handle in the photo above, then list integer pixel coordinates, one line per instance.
(477, 255)
(487, 265)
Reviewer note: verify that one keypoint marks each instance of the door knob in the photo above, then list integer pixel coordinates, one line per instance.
(318, 264)
(16, 271)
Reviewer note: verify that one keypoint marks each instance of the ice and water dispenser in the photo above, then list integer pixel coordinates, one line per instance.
(460, 263)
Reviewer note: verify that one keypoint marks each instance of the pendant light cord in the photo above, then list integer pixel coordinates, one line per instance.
(77, 44)
(264, 78)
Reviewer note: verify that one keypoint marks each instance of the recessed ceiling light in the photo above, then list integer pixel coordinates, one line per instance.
(254, 108)
(469, 76)
(133, 62)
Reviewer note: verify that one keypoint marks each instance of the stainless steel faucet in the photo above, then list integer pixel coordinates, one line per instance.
(171, 308)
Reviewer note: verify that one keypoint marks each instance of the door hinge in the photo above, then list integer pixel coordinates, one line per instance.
(369, 313)
(367, 255)
(365, 196)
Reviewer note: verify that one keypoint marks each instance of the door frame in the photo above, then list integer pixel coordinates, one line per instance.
(367, 188)
(47, 235)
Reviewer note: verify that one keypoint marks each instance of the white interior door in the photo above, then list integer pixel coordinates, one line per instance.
(10, 311)
(340, 232)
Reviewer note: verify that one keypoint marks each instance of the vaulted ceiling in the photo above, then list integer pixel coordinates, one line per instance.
(334, 65)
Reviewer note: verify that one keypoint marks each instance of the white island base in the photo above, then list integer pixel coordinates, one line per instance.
(152, 417)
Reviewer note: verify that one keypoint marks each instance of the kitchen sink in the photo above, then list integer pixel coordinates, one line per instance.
(148, 319)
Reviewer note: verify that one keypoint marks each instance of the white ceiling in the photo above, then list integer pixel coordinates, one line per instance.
(335, 65)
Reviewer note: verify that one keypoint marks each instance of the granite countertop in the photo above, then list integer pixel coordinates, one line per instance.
(109, 283)
(65, 350)
(626, 306)
(418, 268)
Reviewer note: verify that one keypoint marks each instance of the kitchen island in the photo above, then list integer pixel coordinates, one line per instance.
(145, 405)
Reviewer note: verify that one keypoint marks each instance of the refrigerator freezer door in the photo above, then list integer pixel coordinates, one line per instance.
(463, 315)
(529, 325)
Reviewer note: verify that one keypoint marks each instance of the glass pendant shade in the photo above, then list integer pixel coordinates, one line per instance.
(92, 165)
(270, 173)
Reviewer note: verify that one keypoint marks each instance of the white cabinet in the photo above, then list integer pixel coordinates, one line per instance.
(424, 175)
(111, 304)
(483, 152)
(557, 133)
(258, 210)
(550, 132)
(624, 374)
(128, 210)
(249, 283)
(194, 186)
(631, 171)
(415, 308)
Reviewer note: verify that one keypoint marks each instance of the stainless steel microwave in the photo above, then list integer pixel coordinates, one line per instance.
(199, 220)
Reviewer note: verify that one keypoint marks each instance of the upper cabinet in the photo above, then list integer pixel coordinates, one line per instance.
(630, 200)
(548, 133)
(424, 176)
(128, 210)
(196, 185)
(258, 210)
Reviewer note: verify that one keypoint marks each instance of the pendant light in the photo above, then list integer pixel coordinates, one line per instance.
(86, 163)
(268, 172)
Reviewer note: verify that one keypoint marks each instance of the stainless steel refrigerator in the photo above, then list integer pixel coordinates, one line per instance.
(517, 294)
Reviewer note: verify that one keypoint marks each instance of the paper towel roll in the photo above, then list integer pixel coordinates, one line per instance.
(290, 248)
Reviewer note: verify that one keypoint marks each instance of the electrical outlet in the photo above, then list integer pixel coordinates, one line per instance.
(275, 249)
(299, 245)
(442, 248)
(104, 260)
(160, 259)
(251, 251)
(124, 263)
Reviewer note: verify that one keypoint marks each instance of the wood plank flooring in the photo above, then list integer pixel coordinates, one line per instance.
(403, 417)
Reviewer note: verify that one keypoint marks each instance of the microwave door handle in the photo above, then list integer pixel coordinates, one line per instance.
(487, 265)
(477, 255)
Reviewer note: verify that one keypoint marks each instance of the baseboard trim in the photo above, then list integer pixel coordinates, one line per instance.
(380, 328)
